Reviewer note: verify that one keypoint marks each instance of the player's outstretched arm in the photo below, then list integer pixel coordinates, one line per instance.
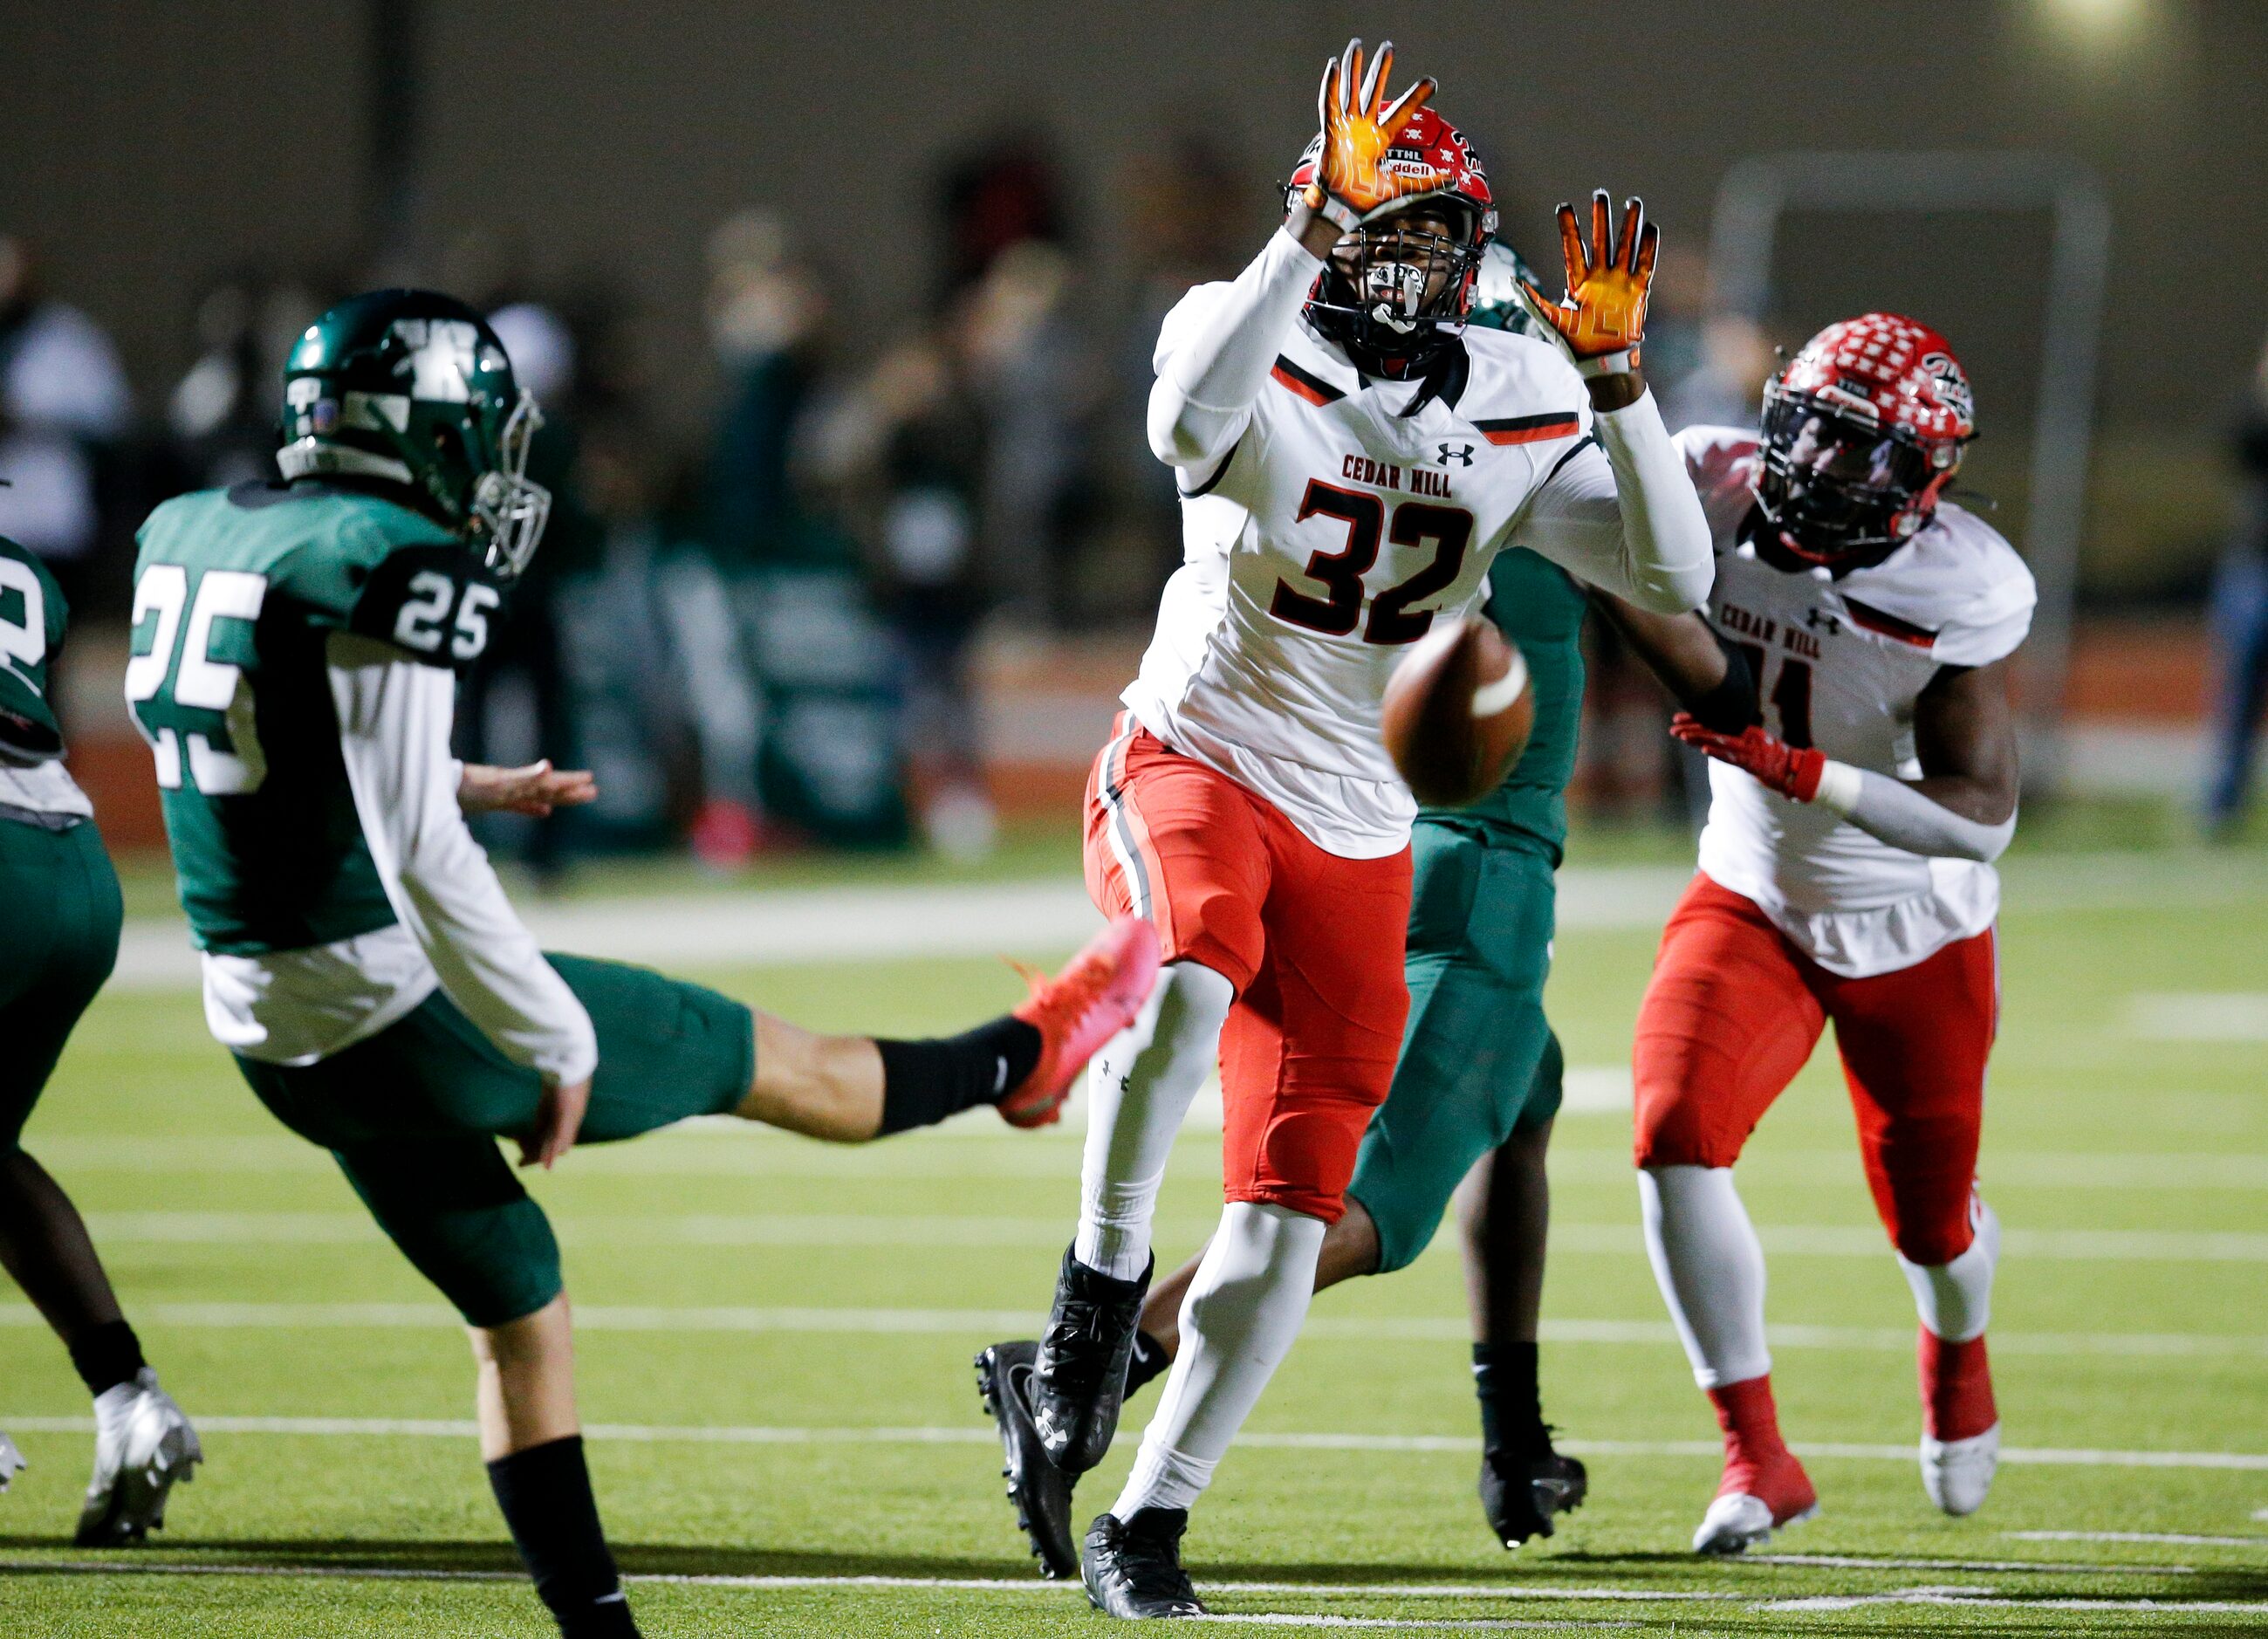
(535, 790)
(1216, 350)
(1707, 676)
(1630, 523)
(1963, 807)
(395, 715)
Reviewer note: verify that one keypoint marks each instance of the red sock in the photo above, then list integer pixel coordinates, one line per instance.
(1745, 1412)
(1956, 1388)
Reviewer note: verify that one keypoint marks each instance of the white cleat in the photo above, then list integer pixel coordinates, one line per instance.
(12, 1461)
(1957, 1473)
(143, 1445)
(1739, 1522)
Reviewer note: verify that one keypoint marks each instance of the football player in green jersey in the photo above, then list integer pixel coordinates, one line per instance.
(58, 939)
(294, 671)
(1478, 1084)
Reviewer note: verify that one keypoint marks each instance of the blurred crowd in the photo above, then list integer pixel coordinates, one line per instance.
(764, 635)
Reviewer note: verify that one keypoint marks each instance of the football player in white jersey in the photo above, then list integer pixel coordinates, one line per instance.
(1847, 875)
(1350, 461)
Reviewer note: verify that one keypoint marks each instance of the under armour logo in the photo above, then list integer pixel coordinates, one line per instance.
(1463, 453)
(1819, 619)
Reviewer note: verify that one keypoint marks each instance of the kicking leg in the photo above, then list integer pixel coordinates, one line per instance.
(1914, 1046)
(1728, 1019)
(851, 1088)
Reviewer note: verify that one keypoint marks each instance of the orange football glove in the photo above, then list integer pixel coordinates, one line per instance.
(1601, 319)
(1351, 183)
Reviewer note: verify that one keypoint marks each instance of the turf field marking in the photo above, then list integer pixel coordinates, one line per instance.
(974, 1434)
(2199, 1015)
(1015, 1322)
(1864, 1562)
(2003, 1602)
(954, 1151)
(1981, 1597)
(2177, 1538)
(823, 1229)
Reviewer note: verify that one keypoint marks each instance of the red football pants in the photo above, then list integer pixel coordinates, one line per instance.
(1734, 1011)
(1312, 942)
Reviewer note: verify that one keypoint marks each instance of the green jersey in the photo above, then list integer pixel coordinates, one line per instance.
(33, 614)
(1539, 607)
(236, 594)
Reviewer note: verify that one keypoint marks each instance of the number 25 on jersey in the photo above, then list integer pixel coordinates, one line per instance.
(179, 679)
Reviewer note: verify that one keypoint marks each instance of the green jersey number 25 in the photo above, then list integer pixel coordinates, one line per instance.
(188, 670)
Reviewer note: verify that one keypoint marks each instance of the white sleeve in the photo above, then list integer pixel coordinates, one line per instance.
(1628, 522)
(1214, 353)
(394, 736)
(1894, 812)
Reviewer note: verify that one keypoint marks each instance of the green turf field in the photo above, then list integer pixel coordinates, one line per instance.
(776, 1343)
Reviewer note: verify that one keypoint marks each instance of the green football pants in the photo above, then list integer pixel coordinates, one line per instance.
(59, 919)
(1478, 1059)
(413, 1115)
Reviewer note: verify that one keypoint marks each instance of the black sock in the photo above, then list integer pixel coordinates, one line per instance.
(1512, 1409)
(924, 1081)
(1149, 1361)
(106, 1356)
(545, 1493)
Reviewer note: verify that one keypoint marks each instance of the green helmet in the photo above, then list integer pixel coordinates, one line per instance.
(414, 387)
(1497, 305)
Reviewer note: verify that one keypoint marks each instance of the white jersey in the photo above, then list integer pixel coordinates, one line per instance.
(1325, 527)
(1839, 663)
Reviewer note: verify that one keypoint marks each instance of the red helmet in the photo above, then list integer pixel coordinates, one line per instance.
(1862, 430)
(1371, 297)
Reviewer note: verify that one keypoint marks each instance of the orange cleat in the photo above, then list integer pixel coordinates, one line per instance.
(1099, 994)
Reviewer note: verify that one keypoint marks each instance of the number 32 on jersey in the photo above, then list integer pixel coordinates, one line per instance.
(1340, 570)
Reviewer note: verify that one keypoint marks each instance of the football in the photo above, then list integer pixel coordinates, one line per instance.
(1458, 712)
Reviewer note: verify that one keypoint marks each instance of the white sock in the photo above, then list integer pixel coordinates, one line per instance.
(1955, 1300)
(1711, 1269)
(1243, 1311)
(1139, 1089)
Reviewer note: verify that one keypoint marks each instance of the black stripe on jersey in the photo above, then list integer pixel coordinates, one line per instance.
(1218, 473)
(1882, 623)
(1305, 383)
(1529, 429)
(1589, 440)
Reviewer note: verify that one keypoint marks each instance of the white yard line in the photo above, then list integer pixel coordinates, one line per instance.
(978, 1434)
(1894, 1561)
(850, 923)
(1956, 1595)
(2177, 1538)
(983, 1149)
(2199, 1016)
(251, 1228)
(238, 1316)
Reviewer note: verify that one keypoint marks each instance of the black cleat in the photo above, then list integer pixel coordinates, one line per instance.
(1079, 1379)
(1133, 1568)
(1520, 1491)
(1040, 1490)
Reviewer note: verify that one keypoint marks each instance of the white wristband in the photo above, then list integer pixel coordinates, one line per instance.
(1839, 785)
(1606, 364)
